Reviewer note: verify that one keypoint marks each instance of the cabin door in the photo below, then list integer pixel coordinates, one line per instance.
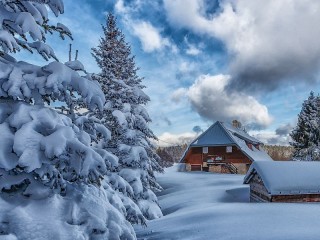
(196, 167)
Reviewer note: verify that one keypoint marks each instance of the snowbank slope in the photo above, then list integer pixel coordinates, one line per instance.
(202, 205)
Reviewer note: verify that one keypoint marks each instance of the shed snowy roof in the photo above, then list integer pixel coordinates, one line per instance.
(287, 178)
(222, 134)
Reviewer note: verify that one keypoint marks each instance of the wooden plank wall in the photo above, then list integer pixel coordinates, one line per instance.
(195, 155)
(258, 192)
(236, 156)
(296, 198)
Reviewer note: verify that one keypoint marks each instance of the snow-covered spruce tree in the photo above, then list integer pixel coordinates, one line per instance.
(124, 114)
(306, 135)
(50, 175)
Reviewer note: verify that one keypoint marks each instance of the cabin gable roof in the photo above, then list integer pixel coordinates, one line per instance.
(223, 134)
(215, 135)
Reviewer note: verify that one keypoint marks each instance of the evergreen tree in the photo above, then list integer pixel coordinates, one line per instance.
(127, 119)
(306, 135)
(45, 158)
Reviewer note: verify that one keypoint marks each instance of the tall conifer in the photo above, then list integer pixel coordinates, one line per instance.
(306, 135)
(125, 115)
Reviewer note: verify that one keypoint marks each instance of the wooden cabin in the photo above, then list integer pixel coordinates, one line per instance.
(279, 181)
(224, 148)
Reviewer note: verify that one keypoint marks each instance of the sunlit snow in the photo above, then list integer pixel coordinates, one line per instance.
(200, 205)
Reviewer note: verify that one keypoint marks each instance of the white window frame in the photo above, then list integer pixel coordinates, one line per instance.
(229, 149)
(205, 149)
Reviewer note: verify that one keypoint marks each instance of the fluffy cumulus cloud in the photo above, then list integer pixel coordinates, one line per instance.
(188, 14)
(280, 136)
(271, 138)
(178, 94)
(209, 97)
(120, 8)
(270, 42)
(284, 130)
(170, 139)
(149, 36)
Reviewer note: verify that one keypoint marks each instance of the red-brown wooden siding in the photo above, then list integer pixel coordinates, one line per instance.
(296, 198)
(195, 156)
(196, 167)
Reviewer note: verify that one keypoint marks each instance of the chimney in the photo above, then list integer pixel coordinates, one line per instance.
(236, 124)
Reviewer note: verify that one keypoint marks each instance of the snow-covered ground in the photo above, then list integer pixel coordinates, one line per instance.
(199, 205)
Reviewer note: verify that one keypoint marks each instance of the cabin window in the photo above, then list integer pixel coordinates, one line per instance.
(213, 158)
(250, 145)
(229, 149)
(205, 150)
(196, 167)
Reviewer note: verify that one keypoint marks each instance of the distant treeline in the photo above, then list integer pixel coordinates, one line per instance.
(279, 153)
(170, 155)
(173, 154)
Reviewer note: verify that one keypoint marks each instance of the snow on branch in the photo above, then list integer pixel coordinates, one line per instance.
(56, 6)
(42, 146)
(25, 81)
(25, 17)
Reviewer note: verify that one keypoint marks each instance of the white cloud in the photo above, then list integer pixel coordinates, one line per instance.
(281, 136)
(271, 138)
(120, 8)
(284, 130)
(187, 14)
(149, 36)
(170, 139)
(186, 66)
(270, 41)
(178, 94)
(125, 8)
(192, 50)
(209, 97)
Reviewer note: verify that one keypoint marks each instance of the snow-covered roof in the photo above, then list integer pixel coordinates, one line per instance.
(240, 133)
(287, 178)
(253, 154)
(222, 134)
(215, 135)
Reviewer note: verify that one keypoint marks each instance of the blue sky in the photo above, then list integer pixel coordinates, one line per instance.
(205, 60)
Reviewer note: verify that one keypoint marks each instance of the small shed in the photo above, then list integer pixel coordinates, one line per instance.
(284, 181)
(224, 148)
